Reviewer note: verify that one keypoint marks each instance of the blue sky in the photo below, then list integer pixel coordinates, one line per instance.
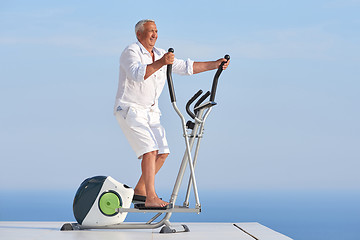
(288, 106)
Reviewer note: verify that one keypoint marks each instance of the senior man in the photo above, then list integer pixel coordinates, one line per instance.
(142, 78)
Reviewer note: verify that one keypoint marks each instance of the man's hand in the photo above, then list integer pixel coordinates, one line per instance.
(168, 58)
(219, 61)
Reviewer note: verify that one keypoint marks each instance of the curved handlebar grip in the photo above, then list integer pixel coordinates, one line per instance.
(169, 80)
(201, 100)
(196, 95)
(216, 77)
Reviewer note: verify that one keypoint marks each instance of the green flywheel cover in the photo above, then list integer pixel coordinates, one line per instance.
(108, 203)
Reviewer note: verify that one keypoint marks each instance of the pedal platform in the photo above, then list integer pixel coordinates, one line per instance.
(169, 208)
(138, 199)
(141, 206)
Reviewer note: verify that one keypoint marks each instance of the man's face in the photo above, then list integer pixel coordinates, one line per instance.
(148, 36)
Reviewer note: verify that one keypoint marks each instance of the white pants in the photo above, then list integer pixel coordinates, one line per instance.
(143, 130)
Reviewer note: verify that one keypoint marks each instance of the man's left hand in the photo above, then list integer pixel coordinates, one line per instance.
(219, 61)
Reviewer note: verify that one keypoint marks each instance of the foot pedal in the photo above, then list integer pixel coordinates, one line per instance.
(141, 206)
(139, 198)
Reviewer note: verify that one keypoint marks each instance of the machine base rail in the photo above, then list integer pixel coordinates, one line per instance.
(165, 228)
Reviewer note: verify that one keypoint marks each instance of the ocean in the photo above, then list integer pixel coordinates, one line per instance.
(301, 215)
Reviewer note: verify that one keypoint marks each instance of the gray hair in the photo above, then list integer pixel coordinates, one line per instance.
(140, 25)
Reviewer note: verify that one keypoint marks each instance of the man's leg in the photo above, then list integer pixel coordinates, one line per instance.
(150, 165)
(140, 186)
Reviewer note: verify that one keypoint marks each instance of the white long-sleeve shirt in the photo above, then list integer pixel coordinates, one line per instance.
(133, 90)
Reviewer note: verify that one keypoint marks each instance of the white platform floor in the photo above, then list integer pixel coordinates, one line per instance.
(208, 231)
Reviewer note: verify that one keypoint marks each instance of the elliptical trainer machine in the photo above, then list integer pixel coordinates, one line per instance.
(103, 203)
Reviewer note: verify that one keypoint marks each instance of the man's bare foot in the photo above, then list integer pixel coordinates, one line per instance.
(155, 202)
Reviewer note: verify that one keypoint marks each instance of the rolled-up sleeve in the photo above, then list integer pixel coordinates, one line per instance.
(183, 67)
(131, 63)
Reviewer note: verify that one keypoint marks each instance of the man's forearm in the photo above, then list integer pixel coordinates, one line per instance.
(199, 67)
(168, 58)
(153, 67)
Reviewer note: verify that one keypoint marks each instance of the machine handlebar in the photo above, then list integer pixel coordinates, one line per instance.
(169, 80)
(201, 100)
(196, 95)
(216, 77)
